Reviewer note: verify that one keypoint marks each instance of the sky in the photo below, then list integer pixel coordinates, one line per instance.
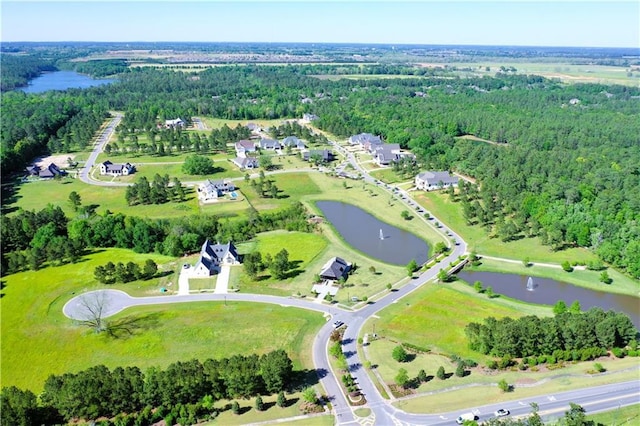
(513, 23)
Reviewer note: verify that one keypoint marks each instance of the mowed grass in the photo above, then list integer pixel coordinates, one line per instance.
(216, 123)
(38, 340)
(478, 240)
(435, 317)
(624, 416)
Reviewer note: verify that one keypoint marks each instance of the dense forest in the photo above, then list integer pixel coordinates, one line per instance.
(564, 165)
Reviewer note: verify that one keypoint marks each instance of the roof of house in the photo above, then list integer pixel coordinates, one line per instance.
(293, 141)
(436, 177)
(50, 171)
(365, 137)
(111, 167)
(245, 162)
(269, 143)
(218, 185)
(335, 268)
(247, 145)
(173, 122)
(325, 154)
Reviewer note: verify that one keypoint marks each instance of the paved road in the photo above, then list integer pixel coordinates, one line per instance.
(593, 399)
(103, 138)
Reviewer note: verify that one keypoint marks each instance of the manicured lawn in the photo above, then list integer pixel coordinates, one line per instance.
(435, 317)
(468, 397)
(591, 279)
(37, 340)
(478, 239)
(386, 175)
(216, 123)
(292, 186)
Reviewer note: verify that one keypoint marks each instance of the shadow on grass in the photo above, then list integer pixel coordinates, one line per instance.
(302, 379)
(129, 326)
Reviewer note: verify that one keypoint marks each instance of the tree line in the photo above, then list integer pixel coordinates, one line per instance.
(160, 191)
(100, 392)
(566, 331)
(30, 238)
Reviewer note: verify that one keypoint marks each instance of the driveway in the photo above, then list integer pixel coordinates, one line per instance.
(222, 283)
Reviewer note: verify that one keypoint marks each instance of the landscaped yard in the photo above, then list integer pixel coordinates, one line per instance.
(37, 340)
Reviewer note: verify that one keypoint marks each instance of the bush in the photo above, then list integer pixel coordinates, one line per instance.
(259, 403)
(492, 365)
(599, 368)
(567, 266)
(399, 354)
(505, 362)
(282, 400)
(504, 386)
(441, 374)
(235, 408)
(197, 165)
(422, 376)
(619, 352)
(460, 370)
(416, 348)
(469, 363)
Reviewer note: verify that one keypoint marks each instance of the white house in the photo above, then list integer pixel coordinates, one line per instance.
(429, 181)
(173, 124)
(109, 168)
(211, 190)
(245, 147)
(212, 256)
(246, 162)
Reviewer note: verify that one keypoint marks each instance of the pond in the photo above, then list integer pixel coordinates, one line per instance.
(373, 237)
(62, 80)
(547, 292)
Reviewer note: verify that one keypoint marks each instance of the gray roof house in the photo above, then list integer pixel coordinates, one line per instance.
(214, 255)
(109, 168)
(365, 140)
(388, 153)
(48, 172)
(429, 181)
(335, 269)
(308, 118)
(244, 146)
(211, 190)
(246, 162)
(270, 144)
(324, 154)
(293, 142)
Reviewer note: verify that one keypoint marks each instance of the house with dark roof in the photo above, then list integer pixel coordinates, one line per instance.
(293, 142)
(48, 172)
(324, 155)
(211, 190)
(245, 147)
(429, 181)
(335, 269)
(109, 168)
(212, 256)
(246, 162)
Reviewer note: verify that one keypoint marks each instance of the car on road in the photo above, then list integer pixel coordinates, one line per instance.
(501, 412)
(338, 324)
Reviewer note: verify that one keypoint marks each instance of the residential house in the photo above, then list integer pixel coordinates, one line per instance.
(385, 154)
(174, 124)
(109, 168)
(244, 147)
(246, 162)
(324, 155)
(48, 172)
(269, 144)
(293, 142)
(308, 118)
(365, 140)
(335, 269)
(429, 181)
(212, 256)
(211, 190)
(255, 128)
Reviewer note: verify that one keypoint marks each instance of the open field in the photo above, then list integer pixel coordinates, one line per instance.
(435, 316)
(591, 279)
(216, 123)
(38, 340)
(438, 402)
(141, 158)
(565, 72)
(450, 213)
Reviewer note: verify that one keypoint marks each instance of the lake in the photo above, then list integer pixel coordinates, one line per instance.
(62, 80)
(362, 231)
(547, 292)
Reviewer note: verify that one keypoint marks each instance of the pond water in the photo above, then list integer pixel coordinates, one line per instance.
(373, 237)
(547, 291)
(62, 80)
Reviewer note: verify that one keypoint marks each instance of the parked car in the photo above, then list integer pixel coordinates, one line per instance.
(501, 413)
(338, 324)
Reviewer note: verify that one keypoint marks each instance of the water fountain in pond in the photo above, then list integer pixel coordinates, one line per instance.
(381, 235)
(530, 285)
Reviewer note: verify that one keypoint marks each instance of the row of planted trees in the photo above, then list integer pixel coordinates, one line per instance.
(191, 386)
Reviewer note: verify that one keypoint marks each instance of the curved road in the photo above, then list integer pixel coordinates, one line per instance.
(593, 399)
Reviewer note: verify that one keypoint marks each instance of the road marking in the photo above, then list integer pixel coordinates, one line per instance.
(551, 398)
(521, 403)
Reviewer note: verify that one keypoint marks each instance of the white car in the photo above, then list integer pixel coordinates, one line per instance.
(501, 413)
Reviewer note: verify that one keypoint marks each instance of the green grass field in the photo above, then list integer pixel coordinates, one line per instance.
(625, 416)
(435, 316)
(37, 340)
(450, 213)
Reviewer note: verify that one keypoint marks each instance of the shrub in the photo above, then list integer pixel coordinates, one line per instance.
(522, 366)
(504, 386)
(492, 365)
(619, 352)
(235, 408)
(416, 348)
(469, 363)
(399, 354)
(259, 403)
(567, 266)
(504, 362)
(441, 374)
(460, 370)
(599, 368)
(282, 400)
(422, 376)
